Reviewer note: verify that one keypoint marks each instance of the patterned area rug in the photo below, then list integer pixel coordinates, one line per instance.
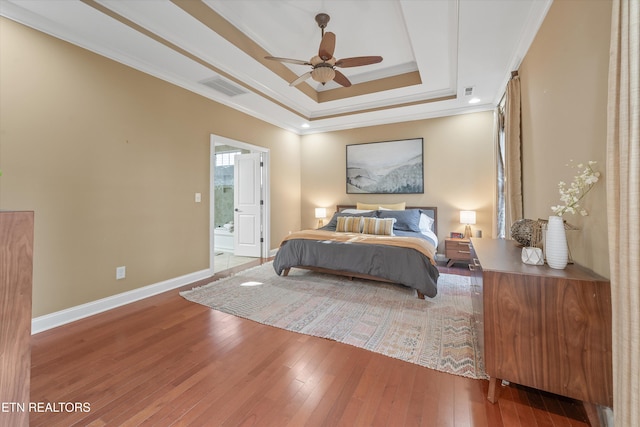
(389, 319)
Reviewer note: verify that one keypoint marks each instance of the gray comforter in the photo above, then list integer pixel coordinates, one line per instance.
(405, 266)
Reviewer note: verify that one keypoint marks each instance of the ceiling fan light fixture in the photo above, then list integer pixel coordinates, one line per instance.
(323, 63)
(323, 74)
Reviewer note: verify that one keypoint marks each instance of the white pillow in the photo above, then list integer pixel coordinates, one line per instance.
(426, 223)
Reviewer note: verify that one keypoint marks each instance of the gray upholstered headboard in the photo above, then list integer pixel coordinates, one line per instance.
(431, 211)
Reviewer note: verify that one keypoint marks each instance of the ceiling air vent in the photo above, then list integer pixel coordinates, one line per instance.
(223, 86)
(468, 91)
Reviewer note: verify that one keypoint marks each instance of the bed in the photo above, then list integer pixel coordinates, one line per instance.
(396, 246)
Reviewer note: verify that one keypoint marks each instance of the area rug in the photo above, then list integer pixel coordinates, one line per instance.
(436, 333)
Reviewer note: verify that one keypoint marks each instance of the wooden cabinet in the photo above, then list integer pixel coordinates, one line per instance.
(457, 250)
(16, 270)
(543, 328)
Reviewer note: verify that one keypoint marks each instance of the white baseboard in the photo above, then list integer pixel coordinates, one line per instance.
(59, 318)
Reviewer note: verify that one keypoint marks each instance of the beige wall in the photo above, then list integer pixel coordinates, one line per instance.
(564, 82)
(458, 169)
(110, 159)
(564, 113)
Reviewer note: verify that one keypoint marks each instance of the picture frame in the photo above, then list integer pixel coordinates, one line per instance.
(388, 167)
(455, 235)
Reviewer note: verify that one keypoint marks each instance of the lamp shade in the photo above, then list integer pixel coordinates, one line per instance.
(467, 217)
(321, 213)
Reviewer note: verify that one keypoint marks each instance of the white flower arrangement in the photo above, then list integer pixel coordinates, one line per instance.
(572, 195)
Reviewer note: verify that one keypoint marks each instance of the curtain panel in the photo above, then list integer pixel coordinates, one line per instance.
(623, 207)
(512, 155)
(498, 224)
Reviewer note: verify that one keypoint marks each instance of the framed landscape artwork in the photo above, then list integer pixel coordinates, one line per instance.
(390, 167)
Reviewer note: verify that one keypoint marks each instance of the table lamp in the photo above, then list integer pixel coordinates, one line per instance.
(321, 213)
(467, 218)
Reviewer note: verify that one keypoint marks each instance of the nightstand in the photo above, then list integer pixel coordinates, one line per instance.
(457, 250)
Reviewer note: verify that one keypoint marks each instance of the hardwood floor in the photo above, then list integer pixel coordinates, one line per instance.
(164, 361)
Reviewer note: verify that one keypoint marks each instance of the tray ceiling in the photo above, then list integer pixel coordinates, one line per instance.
(435, 52)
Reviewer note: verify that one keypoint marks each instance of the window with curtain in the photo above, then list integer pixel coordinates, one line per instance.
(501, 160)
(508, 143)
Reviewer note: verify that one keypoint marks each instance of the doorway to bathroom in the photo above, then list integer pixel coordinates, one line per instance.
(239, 195)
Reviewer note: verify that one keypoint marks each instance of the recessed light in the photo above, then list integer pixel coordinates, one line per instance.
(474, 100)
(305, 125)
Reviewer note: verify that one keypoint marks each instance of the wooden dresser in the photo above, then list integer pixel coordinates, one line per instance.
(540, 327)
(16, 270)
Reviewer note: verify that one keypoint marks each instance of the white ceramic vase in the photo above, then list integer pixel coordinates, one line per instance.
(556, 249)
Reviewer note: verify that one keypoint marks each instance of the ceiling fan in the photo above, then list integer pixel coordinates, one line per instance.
(323, 66)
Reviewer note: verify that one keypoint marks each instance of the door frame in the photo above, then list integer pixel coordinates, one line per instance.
(266, 193)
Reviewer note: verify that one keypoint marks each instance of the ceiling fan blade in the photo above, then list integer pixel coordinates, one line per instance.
(327, 46)
(290, 61)
(341, 79)
(300, 79)
(358, 61)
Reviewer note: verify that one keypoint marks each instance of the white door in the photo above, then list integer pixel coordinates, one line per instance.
(247, 200)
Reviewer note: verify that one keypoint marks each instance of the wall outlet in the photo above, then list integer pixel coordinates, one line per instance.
(121, 272)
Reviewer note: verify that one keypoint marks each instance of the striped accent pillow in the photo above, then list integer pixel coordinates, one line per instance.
(349, 224)
(380, 226)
